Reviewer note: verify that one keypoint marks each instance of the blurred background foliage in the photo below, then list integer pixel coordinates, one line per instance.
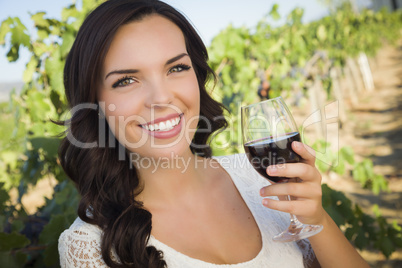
(298, 60)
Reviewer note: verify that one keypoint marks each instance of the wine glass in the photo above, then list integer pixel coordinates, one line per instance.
(268, 132)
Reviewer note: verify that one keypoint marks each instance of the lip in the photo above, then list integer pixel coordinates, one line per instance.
(165, 134)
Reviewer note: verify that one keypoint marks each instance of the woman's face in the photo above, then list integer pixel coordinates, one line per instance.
(148, 90)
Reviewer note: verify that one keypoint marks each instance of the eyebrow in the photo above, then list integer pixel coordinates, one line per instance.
(132, 71)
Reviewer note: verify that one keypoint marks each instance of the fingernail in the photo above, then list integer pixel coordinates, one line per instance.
(262, 192)
(272, 169)
(297, 144)
(265, 202)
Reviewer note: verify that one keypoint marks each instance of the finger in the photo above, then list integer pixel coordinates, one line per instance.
(296, 190)
(305, 151)
(306, 208)
(294, 170)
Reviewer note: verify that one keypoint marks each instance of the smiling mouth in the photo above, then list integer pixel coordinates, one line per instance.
(165, 125)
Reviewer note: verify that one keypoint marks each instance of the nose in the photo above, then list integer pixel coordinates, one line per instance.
(159, 94)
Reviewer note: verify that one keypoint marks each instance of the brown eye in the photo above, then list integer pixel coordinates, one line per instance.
(123, 82)
(179, 68)
(176, 69)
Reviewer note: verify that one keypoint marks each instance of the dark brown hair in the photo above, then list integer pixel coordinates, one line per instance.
(108, 185)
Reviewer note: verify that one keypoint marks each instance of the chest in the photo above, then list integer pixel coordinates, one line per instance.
(220, 230)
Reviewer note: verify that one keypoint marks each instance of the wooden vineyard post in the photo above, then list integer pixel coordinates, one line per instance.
(335, 76)
(350, 87)
(366, 71)
(355, 74)
(317, 100)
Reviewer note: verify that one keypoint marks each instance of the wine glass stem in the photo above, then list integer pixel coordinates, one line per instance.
(295, 225)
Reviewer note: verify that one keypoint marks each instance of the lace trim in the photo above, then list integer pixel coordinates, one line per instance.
(80, 248)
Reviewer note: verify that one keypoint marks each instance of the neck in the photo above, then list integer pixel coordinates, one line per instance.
(167, 180)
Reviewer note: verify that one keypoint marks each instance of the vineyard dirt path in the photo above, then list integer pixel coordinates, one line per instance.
(374, 130)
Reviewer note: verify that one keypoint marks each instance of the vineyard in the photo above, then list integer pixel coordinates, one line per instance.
(340, 75)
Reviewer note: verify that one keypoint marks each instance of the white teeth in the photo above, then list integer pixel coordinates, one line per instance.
(163, 126)
(168, 124)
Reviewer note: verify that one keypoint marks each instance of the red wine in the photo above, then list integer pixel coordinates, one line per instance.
(272, 151)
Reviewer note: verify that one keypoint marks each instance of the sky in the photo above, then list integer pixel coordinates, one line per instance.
(208, 16)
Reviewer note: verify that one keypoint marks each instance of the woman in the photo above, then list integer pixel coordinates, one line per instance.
(152, 196)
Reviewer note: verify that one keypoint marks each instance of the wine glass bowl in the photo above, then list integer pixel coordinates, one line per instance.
(272, 151)
(268, 132)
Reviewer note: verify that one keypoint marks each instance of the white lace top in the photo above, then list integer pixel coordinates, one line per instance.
(79, 246)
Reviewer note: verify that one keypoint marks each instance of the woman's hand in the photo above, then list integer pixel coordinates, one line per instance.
(306, 193)
(306, 204)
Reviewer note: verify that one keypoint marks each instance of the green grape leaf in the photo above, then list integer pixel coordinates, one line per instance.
(386, 246)
(17, 226)
(13, 53)
(3, 196)
(30, 70)
(54, 68)
(51, 255)
(3, 220)
(361, 240)
(345, 207)
(42, 34)
(347, 154)
(321, 33)
(12, 261)
(350, 232)
(5, 29)
(340, 168)
(336, 215)
(69, 12)
(274, 12)
(12, 241)
(68, 40)
(40, 48)
(39, 20)
(56, 28)
(52, 231)
(326, 195)
(395, 232)
(379, 184)
(89, 5)
(19, 34)
(49, 145)
(369, 168)
(359, 174)
(40, 107)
